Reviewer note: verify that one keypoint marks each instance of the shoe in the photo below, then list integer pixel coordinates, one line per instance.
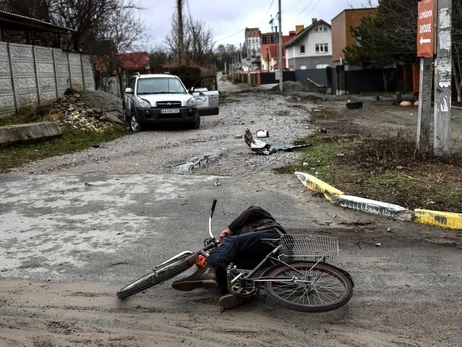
(229, 301)
(205, 277)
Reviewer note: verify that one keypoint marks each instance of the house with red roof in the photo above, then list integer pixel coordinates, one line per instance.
(134, 62)
(269, 54)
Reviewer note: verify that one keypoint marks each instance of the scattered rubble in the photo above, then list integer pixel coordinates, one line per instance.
(71, 112)
(195, 163)
(261, 147)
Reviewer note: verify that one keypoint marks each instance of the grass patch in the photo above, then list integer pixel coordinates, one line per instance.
(384, 168)
(71, 141)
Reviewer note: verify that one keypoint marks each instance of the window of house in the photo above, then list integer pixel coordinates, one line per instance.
(322, 48)
(302, 49)
(321, 66)
(321, 29)
(303, 67)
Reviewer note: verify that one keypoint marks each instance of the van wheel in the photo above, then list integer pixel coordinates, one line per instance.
(134, 125)
(197, 122)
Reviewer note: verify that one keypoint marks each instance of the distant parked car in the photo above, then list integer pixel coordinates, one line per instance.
(159, 98)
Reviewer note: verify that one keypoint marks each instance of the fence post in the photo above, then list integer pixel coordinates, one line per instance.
(34, 58)
(15, 94)
(69, 68)
(83, 72)
(55, 73)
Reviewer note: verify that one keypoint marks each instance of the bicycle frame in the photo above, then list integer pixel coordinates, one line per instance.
(246, 275)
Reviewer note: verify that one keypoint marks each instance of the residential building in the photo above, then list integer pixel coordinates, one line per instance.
(269, 38)
(269, 54)
(25, 30)
(311, 48)
(341, 30)
(253, 41)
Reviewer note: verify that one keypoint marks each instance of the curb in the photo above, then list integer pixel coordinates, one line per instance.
(446, 220)
(376, 207)
(315, 184)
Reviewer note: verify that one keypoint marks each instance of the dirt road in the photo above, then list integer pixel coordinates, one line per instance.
(74, 229)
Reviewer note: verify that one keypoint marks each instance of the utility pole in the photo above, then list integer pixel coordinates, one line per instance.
(442, 119)
(281, 73)
(425, 107)
(180, 31)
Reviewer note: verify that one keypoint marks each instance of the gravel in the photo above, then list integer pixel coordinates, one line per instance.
(286, 117)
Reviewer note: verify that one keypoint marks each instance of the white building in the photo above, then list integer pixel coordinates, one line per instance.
(311, 48)
(253, 42)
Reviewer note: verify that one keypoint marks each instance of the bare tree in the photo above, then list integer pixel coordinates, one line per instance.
(197, 42)
(94, 22)
(119, 34)
(158, 58)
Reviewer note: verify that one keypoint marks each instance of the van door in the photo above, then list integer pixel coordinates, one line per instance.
(207, 101)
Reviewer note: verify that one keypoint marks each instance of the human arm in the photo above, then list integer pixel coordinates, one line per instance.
(224, 234)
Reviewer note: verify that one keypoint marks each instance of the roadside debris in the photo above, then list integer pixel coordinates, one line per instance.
(261, 147)
(354, 105)
(194, 164)
(71, 112)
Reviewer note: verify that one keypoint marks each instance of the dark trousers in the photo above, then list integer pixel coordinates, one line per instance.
(245, 250)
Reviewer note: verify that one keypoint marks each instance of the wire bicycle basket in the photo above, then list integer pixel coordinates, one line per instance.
(309, 248)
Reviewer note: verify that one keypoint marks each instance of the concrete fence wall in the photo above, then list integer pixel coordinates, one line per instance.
(32, 75)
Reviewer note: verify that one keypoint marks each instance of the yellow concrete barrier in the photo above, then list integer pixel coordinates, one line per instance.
(447, 220)
(316, 185)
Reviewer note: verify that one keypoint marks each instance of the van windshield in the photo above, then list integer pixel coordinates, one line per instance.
(160, 86)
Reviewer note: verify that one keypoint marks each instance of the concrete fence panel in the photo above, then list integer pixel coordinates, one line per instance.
(24, 77)
(63, 74)
(7, 100)
(88, 73)
(33, 75)
(75, 68)
(46, 82)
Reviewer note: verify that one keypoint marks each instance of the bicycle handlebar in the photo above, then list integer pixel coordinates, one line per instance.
(214, 204)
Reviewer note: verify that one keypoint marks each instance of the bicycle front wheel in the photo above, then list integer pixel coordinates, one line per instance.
(155, 277)
(309, 287)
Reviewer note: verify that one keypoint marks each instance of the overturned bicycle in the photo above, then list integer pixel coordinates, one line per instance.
(298, 273)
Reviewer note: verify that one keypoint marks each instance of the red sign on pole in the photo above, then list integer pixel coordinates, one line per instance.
(425, 28)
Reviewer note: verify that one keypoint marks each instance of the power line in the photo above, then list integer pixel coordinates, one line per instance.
(288, 6)
(266, 14)
(304, 8)
(298, 9)
(227, 37)
(311, 9)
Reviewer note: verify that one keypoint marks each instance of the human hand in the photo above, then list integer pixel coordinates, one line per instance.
(224, 234)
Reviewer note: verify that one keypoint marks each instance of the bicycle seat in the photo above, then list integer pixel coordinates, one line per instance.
(271, 242)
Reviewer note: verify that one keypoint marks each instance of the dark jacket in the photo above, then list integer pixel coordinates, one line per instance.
(254, 219)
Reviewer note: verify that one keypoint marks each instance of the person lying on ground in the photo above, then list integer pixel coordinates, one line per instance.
(240, 245)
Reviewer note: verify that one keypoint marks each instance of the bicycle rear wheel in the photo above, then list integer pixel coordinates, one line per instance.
(309, 287)
(155, 277)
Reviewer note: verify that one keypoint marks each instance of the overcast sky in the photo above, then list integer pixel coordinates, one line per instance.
(227, 19)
